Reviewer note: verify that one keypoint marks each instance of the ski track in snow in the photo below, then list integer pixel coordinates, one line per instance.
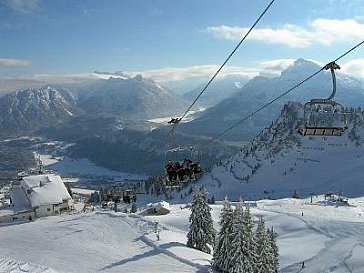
(326, 238)
(15, 267)
(336, 256)
(99, 241)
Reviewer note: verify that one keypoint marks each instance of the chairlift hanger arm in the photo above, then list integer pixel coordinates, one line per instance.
(174, 121)
(332, 66)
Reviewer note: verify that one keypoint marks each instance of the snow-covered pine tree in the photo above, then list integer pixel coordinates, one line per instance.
(272, 238)
(221, 260)
(202, 234)
(265, 259)
(237, 235)
(250, 241)
(239, 247)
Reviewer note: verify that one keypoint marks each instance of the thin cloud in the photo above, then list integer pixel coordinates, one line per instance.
(266, 67)
(23, 6)
(319, 31)
(177, 74)
(18, 82)
(277, 65)
(289, 35)
(354, 68)
(14, 62)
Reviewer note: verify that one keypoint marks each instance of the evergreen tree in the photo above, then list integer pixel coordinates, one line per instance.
(202, 234)
(272, 238)
(237, 235)
(295, 194)
(239, 250)
(250, 243)
(221, 260)
(265, 259)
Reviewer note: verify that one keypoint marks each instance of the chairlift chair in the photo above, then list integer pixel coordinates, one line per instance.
(179, 151)
(324, 117)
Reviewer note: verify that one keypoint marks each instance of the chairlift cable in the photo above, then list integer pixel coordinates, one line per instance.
(171, 133)
(267, 104)
(349, 51)
(222, 66)
(284, 93)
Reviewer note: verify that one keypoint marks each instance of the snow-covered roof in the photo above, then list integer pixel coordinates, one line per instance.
(159, 205)
(45, 189)
(19, 199)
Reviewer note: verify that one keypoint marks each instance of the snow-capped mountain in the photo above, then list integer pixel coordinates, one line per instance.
(130, 98)
(34, 108)
(217, 91)
(279, 161)
(261, 90)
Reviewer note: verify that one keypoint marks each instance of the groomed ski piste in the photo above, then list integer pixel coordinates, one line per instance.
(327, 237)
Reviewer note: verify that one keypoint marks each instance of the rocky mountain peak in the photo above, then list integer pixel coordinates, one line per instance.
(35, 108)
(135, 98)
(300, 68)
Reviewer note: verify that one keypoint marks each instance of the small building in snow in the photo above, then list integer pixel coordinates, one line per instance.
(40, 195)
(19, 211)
(85, 195)
(160, 208)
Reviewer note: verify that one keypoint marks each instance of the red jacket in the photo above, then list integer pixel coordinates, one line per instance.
(170, 167)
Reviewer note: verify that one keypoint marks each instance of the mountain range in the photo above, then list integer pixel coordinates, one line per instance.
(219, 90)
(261, 90)
(34, 108)
(113, 119)
(126, 98)
(130, 98)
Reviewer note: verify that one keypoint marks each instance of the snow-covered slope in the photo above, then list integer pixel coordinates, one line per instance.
(8, 265)
(326, 238)
(107, 242)
(279, 161)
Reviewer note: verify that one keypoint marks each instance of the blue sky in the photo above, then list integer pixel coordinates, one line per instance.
(173, 40)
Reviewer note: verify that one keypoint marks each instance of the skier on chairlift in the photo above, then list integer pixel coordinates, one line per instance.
(186, 164)
(179, 170)
(171, 171)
